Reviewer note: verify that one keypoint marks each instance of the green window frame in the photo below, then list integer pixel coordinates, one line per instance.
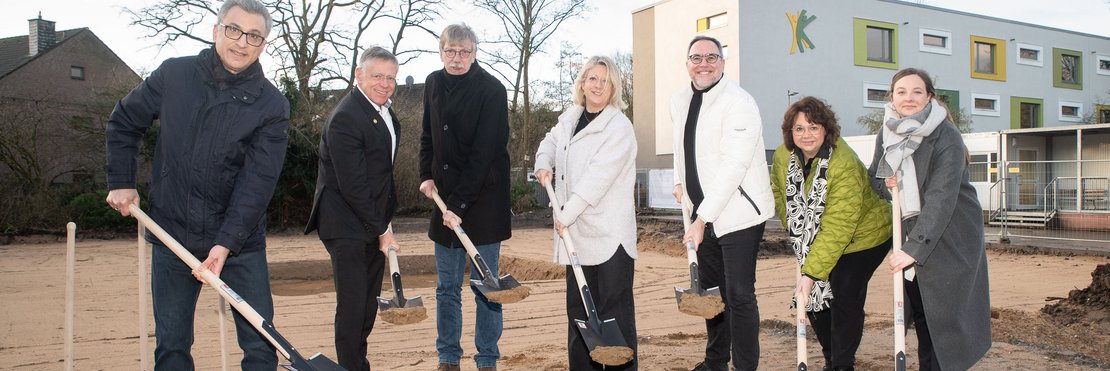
(951, 99)
(859, 41)
(1058, 69)
(1015, 111)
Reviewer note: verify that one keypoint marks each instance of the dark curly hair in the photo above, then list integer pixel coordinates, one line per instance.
(817, 112)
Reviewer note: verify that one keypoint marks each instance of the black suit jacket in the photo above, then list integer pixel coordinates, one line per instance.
(355, 196)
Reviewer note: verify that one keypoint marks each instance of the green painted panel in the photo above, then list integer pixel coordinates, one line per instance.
(859, 42)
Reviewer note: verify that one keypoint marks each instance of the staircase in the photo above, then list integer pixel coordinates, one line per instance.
(1010, 218)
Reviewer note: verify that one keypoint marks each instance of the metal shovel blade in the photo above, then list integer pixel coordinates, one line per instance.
(317, 362)
(491, 284)
(399, 302)
(695, 286)
(609, 334)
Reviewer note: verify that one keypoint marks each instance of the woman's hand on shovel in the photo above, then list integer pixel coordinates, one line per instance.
(215, 262)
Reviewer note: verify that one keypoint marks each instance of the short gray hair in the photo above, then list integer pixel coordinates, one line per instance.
(376, 52)
(456, 33)
(250, 6)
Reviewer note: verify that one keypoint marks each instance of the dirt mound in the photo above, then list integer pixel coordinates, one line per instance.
(665, 237)
(509, 296)
(1090, 305)
(529, 270)
(404, 316)
(707, 307)
(1076, 343)
(611, 356)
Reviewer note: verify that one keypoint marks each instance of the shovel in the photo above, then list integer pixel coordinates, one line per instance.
(503, 290)
(400, 310)
(695, 301)
(603, 338)
(317, 362)
(899, 296)
(800, 318)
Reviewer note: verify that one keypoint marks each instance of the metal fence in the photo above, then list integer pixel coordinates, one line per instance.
(1065, 200)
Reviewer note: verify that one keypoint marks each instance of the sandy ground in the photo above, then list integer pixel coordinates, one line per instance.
(32, 286)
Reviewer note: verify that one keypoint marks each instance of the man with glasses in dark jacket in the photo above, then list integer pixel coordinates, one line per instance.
(221, 143)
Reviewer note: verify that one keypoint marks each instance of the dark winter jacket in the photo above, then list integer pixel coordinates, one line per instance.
(221, 144)
(464, 149)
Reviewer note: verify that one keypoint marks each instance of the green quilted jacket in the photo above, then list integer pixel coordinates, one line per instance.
(855, 218)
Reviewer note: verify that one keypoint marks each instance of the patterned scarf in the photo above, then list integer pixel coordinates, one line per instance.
(803, 216)
(901, 137)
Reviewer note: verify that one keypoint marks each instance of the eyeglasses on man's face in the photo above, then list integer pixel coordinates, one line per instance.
(236, 33)
(378, 78)
(698, 58)
(451, 53)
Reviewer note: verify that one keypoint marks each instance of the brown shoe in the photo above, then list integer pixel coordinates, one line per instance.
(447, 367)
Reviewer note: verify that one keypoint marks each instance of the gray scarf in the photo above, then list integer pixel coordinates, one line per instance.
(901, 137)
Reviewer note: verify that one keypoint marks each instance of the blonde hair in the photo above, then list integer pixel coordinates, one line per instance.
(613, 79)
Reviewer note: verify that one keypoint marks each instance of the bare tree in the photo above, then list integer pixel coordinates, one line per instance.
(526, 25)
(624, 62)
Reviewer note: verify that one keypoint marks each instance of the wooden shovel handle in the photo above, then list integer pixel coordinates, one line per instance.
(470, 249)
(210, 278)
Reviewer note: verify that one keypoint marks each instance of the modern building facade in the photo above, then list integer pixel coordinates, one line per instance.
(1003, 74)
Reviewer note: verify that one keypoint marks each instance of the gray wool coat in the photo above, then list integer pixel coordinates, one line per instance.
(946, 239)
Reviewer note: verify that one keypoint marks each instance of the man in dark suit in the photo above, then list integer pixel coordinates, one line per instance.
(463, 156)
(355, 200)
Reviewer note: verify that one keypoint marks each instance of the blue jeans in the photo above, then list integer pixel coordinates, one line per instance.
(450, 265)
(174, 294)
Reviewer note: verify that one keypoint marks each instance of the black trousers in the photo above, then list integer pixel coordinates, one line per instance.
(611, 289)
(840, 327)
(729, 262)
(357, 268)
(915, 310)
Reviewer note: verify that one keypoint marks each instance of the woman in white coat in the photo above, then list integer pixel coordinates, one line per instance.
(590, 156)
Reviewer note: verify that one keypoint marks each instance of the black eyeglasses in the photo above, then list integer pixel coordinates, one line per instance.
(236, 33)
(450, 53)
(698, 58)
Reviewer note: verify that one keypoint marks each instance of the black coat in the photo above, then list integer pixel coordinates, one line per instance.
(221, 144)
(355, 196)
(464, 149)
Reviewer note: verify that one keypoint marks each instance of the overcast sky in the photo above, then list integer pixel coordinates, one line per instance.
(606, 29)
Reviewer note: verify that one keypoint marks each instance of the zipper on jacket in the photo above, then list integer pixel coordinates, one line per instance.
(745, 194)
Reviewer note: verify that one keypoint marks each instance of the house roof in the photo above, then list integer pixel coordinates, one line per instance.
(14, 52)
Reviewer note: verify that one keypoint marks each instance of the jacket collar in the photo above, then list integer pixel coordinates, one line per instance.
(569, 118)
(249, 83)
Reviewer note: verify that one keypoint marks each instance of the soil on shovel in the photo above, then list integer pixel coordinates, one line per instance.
(404, 316)
(707, 307)
(611, 356)
(1090, 305)
(509, 296)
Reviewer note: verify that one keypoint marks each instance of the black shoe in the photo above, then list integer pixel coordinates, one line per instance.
(705, 366)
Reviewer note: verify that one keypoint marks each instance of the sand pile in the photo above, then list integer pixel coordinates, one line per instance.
(530, 270)
(707, 307)
(611, 356)
(404, 316)
(509, 296)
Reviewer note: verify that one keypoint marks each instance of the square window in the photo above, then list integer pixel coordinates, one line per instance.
(1067, 69)
(77, 72)
(985, 105)
(1071, 111)
(1026, 112)
(1030, 55)
(878, 44)
(1102, 66)
(950, 99)
(988, 58)
(935, 41)
(874, 95)
(874, 43)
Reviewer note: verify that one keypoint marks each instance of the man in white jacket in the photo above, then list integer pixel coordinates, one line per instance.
(721, 176)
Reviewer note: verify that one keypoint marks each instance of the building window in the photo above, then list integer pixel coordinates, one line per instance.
(1103, 113)
(724, 51)
(950, 98)
(988, 58)
(1067, 69)
(935, 41)
(984, 167)
(1071, 111)
(875, 43)
(1026, 113)
(1031, 55)
(77, 72)
(874, 95)
(708, 23)
(985, 105)
(1102, 64)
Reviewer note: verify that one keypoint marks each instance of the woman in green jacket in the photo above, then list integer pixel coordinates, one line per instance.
(839, 228)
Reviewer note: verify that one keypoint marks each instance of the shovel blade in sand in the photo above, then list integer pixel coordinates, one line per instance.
(315, 363)
(399, 300)
(605, 333)
(695, 286)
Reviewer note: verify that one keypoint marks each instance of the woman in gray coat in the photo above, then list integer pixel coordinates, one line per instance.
(590, 158)
(920, 151)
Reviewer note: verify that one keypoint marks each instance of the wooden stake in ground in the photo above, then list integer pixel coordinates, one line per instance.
(899, 296)
(71, 261)
(144, 284)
